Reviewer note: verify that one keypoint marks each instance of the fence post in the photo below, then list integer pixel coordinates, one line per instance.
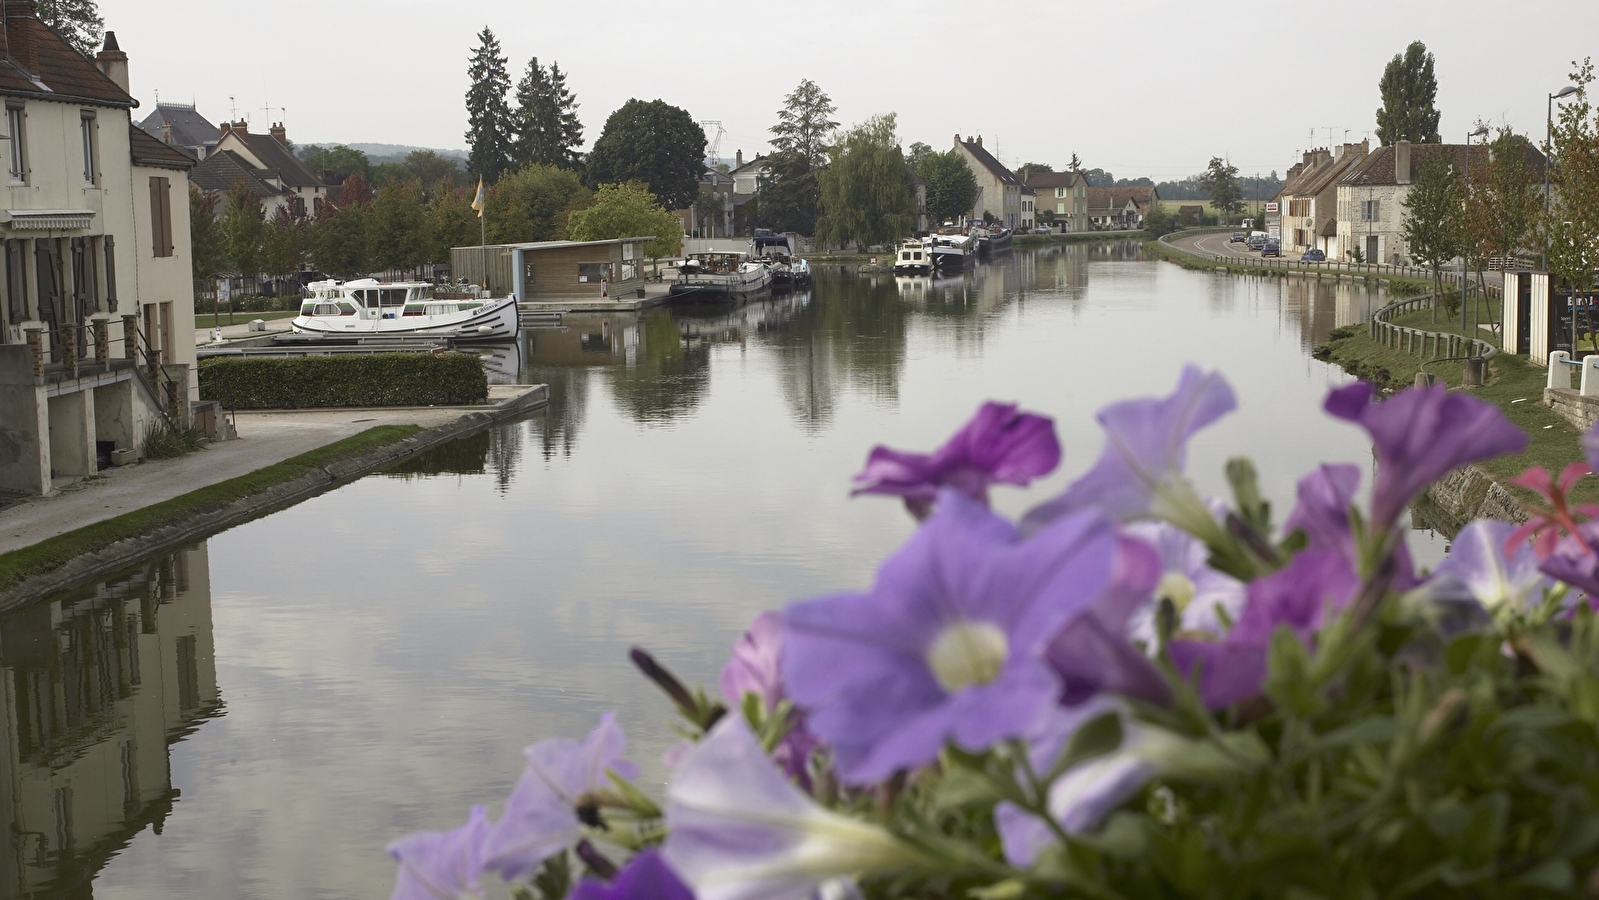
(102, 342)
(69, 347)
(36, 350)
(130, 334)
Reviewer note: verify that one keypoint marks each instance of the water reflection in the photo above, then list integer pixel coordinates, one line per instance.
(97, 685)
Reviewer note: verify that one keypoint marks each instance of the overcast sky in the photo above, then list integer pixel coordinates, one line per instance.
(1137, 87)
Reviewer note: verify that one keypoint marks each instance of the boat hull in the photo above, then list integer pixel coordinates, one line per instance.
(496, 321)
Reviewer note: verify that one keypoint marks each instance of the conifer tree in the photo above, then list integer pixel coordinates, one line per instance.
(547, 130)
(76, 20)
(568, 130)
(488, 115)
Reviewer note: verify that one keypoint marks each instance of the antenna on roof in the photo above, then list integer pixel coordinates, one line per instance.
(157, 96)
(234, 107)
(1330, 129)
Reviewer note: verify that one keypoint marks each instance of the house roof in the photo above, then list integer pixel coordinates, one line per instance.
(277, 158)
(147, 151)
(59, 72)
(1037, 180)
(1318, 178)
(760, 161)
(1378, 167)
(189, 128)
(1118, 197)
(987, 161)
(221, 171)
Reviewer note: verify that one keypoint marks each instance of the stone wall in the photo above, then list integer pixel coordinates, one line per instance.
(1582, 412)
(1463, 495)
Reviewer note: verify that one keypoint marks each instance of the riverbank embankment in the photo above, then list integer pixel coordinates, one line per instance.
(54, 543)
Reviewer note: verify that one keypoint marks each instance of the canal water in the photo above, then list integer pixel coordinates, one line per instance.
(257, 716)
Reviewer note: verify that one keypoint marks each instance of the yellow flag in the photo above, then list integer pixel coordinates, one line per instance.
(477, 202)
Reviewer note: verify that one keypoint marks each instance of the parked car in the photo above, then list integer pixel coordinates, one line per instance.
(1270, 248)
(1257, 241)
(1313, 255)
(1043, 229)
(1238, 238)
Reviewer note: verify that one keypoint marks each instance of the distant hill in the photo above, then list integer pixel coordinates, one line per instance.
(382, 153)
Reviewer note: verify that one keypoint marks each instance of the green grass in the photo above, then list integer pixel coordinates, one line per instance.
(57, 551)
(204, 321)
(1512, 384)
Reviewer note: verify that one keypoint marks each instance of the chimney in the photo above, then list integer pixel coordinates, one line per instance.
(166, 132)
(241, 127)
(19, 43)
(979, 140)
(1402, 162)
(113, 62)
(225, 129)
(280, 133)
(957, 138)
(738, 159)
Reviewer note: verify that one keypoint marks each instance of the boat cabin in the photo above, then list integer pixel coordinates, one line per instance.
(712, 263)
(368, 299)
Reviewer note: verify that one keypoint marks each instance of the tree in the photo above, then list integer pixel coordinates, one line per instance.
(283, 244)
(488, 116)
(805, 123)
(396, 232)
(790, 198)
(1221, 185)
(1433, 212)
(1505, 199)
(1409, 88)
(1075, 163)
(532, 204)
(919, 151)
(1100, 178)
(451, 220)
(242, 226)
(205, 235)
(628, 210)
(338, 160)
(546, 129)
(656, 143)
(338, 233)
(1038, 167)
(866, 194)
(78, 21)
(1571, 230)
(430, 167)
(951, 186)
(1160, 220)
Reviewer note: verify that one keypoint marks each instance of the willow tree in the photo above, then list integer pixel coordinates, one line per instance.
(866, 190)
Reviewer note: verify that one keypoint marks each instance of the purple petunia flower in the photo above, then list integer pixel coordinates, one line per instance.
(1421, 434)
(1478, 569)
(754, 669)
(999, 444)
(445, 865)
(1574, 560)
(1315, 584)
(1084, 794)
(645, 877)
(1092, 655)
(740, 830)
(1206, 599)
(1326, 496)
(541, 816)
(947, 646)
(1139, 474)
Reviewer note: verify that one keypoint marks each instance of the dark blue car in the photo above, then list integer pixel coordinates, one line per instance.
(1313, 255)
(1270, 249)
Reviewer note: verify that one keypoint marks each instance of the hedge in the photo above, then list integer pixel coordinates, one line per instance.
(311, 382)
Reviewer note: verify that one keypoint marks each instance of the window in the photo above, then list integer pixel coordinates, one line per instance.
(160, 216)
(86, 125)
(1060, 209)
(1060, 192)
(591, 273)
(14, 118)
(1369, 209)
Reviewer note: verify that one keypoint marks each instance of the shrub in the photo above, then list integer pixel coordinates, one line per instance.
(165, 440)
(310, 382)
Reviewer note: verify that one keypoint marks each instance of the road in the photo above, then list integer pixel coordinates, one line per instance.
(1214, 243)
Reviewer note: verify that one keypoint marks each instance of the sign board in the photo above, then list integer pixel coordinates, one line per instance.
(1271, 207)
(1275, 232)
(627, 251)
(225, 290)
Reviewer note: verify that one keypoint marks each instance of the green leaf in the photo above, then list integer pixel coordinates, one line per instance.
(636, 800)
(1288, 680)
(1465, 649)
(1123, 836)
(1252, 507)
(1551, 874)
(961, 788)
(1096, 737)
(1009, 889)
(1375, 730)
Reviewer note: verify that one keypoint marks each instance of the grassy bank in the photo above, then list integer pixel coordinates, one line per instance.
(205, 321)
(1076, 237)
(1512, 384)
(53, 552)
(1401, 284)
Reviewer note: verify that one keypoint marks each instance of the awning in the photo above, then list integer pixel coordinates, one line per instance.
(47, 219)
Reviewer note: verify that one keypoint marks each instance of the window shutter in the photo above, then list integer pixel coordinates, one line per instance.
(46, 268)
(166, 217)
(155, 216)
(16, 282)
(110, 274)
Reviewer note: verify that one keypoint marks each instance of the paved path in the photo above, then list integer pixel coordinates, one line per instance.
(265, 439)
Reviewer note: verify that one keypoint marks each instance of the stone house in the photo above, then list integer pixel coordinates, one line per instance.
(96, 308)
(1063, 195)
(999, 191)
(1119, 208)
(1308, 202)
(716, 187)
(748, 176)
(264, 163)
(1371, 199)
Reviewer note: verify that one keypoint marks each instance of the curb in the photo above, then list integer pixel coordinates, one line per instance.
(337, 473)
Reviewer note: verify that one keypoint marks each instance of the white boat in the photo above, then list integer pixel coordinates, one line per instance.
(719, 278)
(914, 256)
(371, 308)
(950, 251)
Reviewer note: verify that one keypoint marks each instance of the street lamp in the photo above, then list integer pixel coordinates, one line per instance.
(1482, 132)
(1548, 154)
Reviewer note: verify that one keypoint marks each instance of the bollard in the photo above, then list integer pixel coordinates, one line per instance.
(1589, 386)
(1559, 372)
(1423, 379)
(1472, 375)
